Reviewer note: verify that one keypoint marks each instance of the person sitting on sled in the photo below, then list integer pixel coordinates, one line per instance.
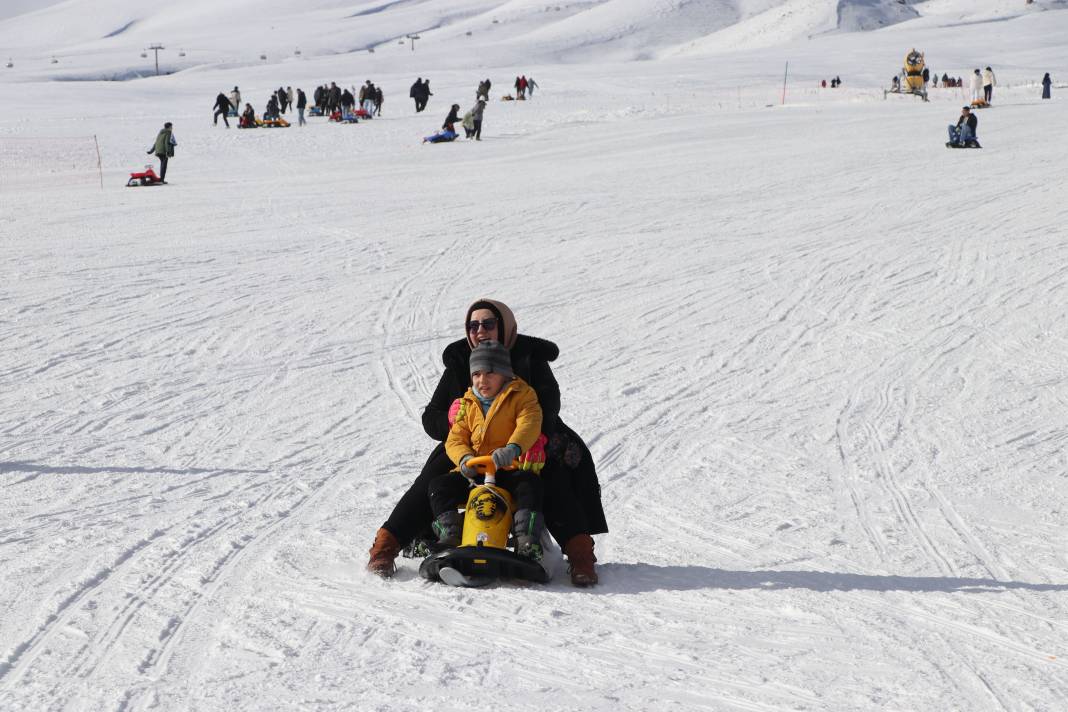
(248, 117)
(499, 416)
(963, 132)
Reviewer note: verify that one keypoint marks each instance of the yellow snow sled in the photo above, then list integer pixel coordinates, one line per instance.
(980, 104)
(272, 123)
(483, 555)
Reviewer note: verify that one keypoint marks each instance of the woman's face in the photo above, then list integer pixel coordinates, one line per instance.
(481, 333)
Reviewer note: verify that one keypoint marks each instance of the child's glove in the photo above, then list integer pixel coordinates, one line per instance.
(533, 460)
(454, 410)
(503, 456)
(469, 472)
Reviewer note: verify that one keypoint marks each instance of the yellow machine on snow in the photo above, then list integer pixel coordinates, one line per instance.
(911, 81)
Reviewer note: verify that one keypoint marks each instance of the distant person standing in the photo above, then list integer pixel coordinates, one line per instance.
(379, 98)
(1046, 84)
(476, 115)
(531, 85)
(164, 149)
(235, 99)
(289, 97)
(989, 81)
(420, 93)
(302, 103)
(222, 108)
(977, 85)
(926, 77)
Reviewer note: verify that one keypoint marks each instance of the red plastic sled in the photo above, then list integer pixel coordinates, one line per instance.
(145, 177)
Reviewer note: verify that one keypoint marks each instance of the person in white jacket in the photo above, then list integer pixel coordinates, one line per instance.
(989, 80)
(977, 86)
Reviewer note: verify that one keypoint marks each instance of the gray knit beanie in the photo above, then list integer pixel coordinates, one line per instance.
(493, 357)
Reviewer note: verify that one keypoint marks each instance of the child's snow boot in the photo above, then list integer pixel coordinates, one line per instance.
(579, 550)
(526, 528)
(383, 552)
(448, 526)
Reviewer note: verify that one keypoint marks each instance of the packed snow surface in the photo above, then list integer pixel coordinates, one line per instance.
(819, 359)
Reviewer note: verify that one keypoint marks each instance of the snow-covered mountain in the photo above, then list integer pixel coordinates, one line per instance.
(488, 32)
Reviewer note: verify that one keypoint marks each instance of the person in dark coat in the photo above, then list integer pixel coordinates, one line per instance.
(420, 92)
(319, 97)
(222, 108)
(378, 100)
(302, 103)
(248, 117)
(333, 98)
(1046, 84)
(271, 112)
(163, 147)
(573, 509)
(452, 119)
(964, 133)
(347, 101)
(416, 91)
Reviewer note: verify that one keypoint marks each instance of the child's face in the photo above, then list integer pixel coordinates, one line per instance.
(488, 383)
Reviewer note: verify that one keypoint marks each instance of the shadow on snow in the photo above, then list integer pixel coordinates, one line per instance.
(642, 578)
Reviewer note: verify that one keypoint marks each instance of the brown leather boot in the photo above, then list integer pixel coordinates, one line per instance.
(383, 552)
(579, 550)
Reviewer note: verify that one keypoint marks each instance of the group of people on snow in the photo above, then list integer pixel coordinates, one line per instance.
(420, 93)
(498, 397)
(524, 86)
(982, 85)
(835, 82)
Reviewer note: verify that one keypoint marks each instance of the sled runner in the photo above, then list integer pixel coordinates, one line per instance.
(483, 555)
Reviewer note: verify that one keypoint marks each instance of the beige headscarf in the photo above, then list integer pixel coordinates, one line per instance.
(506, 321)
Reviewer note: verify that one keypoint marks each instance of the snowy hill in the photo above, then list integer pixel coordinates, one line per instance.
(106, 37)
(817, 357)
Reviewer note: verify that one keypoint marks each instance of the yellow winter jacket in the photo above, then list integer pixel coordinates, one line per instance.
(514, 417)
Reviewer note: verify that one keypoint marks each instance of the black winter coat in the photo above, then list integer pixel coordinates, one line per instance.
(530, 361)
(302, 101)
(222, 103)
(972, 120)
(450, 120)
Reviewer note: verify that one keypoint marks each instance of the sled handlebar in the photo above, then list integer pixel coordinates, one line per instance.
(484, 464)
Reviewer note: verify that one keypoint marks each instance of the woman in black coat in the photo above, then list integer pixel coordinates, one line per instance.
(1046, 83)
(573, 510)
(450, 120)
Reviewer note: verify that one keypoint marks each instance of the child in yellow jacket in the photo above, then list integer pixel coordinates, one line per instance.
(499, 416)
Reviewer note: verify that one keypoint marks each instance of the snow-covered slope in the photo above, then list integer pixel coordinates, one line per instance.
(818, 359)
(104, 38)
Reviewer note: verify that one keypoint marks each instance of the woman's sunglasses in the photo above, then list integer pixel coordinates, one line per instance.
(487, 324)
